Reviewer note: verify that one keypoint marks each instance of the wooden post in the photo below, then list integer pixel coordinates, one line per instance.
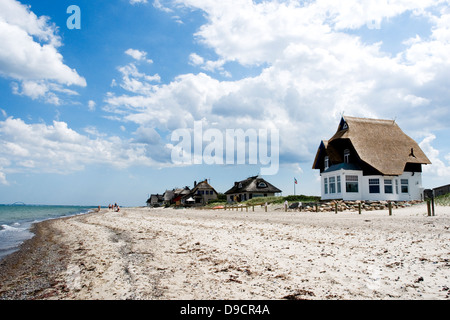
(390, 208)
(359, 207)
(253, 208)
(317, 207)
(429, 208)
(265, 207)
(335, 207)
(432, 205)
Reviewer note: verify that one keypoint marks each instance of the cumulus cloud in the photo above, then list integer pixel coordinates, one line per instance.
(57, 148)
(437, 168)
(312, 70)
(30, 53)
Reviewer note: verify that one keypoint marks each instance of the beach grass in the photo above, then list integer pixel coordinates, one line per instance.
(281, 200)
(443, 200)
(269, 200)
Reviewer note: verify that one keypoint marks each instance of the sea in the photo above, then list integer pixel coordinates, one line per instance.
(17, 220)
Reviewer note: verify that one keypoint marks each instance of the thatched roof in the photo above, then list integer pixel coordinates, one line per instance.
(253, 184)
(379, 143)
(203, 185)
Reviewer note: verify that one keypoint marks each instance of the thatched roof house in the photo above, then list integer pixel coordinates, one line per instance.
(202, 193)
(250, 188)
(155, 200)
(374, 159)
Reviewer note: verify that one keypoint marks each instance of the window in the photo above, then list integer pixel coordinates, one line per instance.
(387, 186)
(332, 181)
(326, 185)
(404, 183)
(240, 185)
(262, 185)
(347, 156)
(338, 178)
(374, 185)
(351, 183)
(327, 162)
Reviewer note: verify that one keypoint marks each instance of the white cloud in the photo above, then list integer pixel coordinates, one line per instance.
(30, 53)
(437, 168)
(3, 178)
(91, 105)
(135, 81)
(133, 2)
(57, 148)
(138, 55)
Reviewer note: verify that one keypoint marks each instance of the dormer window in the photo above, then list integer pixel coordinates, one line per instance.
(262, 185)
(346, 156)
(240, 185)
(327, 162)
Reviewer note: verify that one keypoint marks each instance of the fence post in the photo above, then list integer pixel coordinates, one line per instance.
(390, 208)
(432, 205)
(253, 208)
(429, 208)
(359, 207)
(335, 207)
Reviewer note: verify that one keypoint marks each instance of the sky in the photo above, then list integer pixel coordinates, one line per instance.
(90, 99)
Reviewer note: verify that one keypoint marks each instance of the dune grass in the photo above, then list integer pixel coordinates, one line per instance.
(443, 200)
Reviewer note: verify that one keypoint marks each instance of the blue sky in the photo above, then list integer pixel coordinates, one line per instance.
(86, 115)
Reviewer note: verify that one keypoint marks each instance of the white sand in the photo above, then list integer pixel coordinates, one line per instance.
(143, 253)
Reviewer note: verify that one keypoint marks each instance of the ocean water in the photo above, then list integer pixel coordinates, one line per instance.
(16, 221)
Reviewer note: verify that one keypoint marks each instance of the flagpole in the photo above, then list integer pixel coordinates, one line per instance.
(294, 186)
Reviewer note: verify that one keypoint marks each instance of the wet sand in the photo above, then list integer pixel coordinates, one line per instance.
(168, 254)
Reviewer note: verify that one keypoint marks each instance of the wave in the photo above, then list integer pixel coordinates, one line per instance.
(6, 228)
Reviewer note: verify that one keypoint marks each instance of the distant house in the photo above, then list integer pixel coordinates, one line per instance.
(201, 194)
(175, 195)
(441, 190)
(168, 197)
(369, 159)
(249, 188)
(155, 200)
(179, 195)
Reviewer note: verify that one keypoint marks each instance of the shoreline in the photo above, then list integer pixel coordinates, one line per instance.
(28, 272)
(153, 254)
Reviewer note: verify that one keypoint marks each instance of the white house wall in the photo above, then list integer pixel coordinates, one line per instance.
(415, 190)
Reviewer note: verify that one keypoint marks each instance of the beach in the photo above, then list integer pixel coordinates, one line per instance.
(188, 254)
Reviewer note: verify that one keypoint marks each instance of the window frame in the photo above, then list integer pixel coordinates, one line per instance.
(404, 185)
(347, 156)
(374, 185)
(351, 181)
(388, 183)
